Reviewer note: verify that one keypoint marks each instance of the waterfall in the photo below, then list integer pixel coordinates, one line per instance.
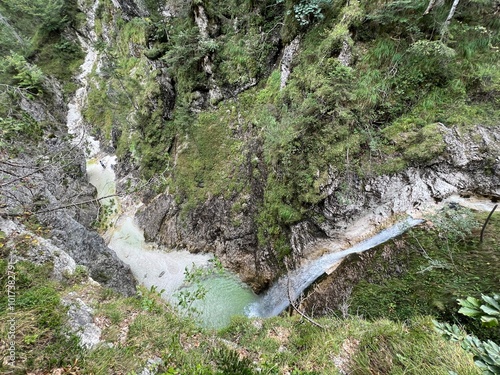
(276, 299)
(164, 269)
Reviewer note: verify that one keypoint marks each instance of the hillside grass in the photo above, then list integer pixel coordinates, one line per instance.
(140, 328)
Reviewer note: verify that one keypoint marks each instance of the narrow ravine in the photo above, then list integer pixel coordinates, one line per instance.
(164, 269)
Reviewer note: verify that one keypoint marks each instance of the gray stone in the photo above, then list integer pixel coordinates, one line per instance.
(90, 250)
(81, 321)
(41, 251)
(286, 61)
(152, 366)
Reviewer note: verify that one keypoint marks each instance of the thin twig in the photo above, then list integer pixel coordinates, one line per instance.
(61, 207)
(300, 312)
(93, 200)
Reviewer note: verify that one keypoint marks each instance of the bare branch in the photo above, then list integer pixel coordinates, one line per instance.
(9, 173)
(16, 165)
(24, 176)
(75, 204)
(61, 207)
(430, 6)
(486, 222)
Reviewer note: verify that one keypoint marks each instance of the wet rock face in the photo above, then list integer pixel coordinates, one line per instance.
(90, 250)
(48, 180)
(209, 228)
(471, 164)
(53, 192)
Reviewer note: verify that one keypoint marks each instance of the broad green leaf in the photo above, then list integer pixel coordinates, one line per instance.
(488, 310)
(470, 311)
(470, 302)
(491, 301)
(489, 321)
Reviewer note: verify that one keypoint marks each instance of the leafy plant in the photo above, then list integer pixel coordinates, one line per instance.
(150, 298)
(488, 312)
(23, 74)
(486, 353)
(454, 222)
(308, 11)
(193, 289)
(229, 362)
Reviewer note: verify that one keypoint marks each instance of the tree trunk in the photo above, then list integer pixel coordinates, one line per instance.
(430, 6)
(448, 19)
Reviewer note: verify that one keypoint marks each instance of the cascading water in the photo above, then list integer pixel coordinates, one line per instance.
(276, 299)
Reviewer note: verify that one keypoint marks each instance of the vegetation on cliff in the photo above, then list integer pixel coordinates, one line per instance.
(370, 89)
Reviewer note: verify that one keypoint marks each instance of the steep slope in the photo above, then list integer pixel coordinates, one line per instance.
(263, 127)
(42, 174)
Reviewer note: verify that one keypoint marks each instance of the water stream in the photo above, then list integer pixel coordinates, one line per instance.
(150, 264)
(277, 298)
(153, 265)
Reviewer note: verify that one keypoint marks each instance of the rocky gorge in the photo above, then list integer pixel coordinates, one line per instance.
(226, 224)
(245, 132)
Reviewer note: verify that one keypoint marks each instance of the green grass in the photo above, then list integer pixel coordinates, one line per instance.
(437, 272)
(38, 316)
(382, 346)
(139, 328)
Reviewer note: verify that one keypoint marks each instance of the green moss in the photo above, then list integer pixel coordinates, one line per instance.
(416, 142)
(239, 57)
(429, 144)
(378, 115)
(209, 163)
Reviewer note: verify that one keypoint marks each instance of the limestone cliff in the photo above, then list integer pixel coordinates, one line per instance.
(44, 181)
